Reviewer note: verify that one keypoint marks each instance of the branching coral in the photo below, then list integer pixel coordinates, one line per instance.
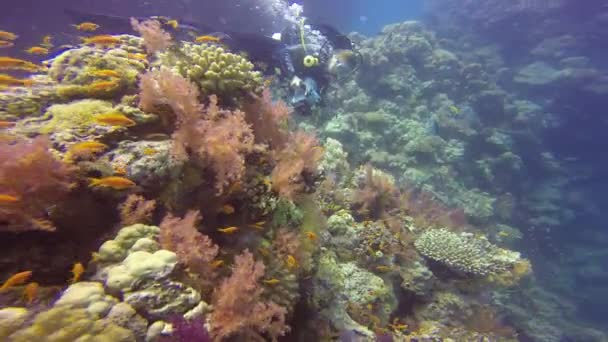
(296, 162)
(32, 181)
(238, 306)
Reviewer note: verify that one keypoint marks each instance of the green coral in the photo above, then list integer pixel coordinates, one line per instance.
(116, 250)
(213, 69)
(466, 253)
(83, 313)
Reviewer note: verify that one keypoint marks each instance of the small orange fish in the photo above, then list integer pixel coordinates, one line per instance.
(228, 230)
(43, 224)
(383, 268)
(9, 80)
(115, 119)
(272, 281)
(106, 73)
(120, 169)
(5, 35)
(103, 40)
(207, 39)
(77, 271)
(217, 263)
(10, 63)
(291, 262)
(30, 292)
(114, 182)
(6, 44)
(312, 236)
(173, 23)
(104, 85)
(84, 149)
(8, 199)
(138, 56)
(16, 279)
(149, 151)
(37, 50)
(86, 27)
(258, 225)
(6, 124)
(227, 209)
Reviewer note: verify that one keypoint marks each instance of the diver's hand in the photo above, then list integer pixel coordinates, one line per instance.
(296, 82)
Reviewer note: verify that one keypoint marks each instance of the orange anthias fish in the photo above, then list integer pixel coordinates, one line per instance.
(104, 85)
(227, 209)
(8, 199)
(228, 230)
(217, 263)
(116, 183)
(10, 81)
(10, 63)
(115, 119)
(86, 27)
(85, 149)
(5, 35)
(77, 271)
(207, 39)
(102, 40)
(30, 292)
(6, 44)
(6, 124)
(106, 73)
(37, 50)
(291, 262)
(272, 281)
(312, 236)
(16, 279)
(258, 225)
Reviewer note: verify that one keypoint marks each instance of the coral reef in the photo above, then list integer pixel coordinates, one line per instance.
(213, 69)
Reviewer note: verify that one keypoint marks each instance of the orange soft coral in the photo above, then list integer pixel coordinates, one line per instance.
(37, 181)
(298, 159)
(238, 308)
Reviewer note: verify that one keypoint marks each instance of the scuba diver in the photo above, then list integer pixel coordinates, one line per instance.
(306, 56)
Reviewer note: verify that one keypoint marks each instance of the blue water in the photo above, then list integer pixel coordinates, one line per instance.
(363, 16)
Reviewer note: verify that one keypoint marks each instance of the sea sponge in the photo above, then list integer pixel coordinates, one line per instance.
(214, 70)
(115, 250)
(467, 254)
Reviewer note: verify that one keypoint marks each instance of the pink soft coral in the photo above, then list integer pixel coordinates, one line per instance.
(268, 120)
(238, 308)
(35, 178)
(194, 249)
(210, 136)
(300, 157)
(155, 38)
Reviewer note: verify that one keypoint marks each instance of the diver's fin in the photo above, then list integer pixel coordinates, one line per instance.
(338, 40)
